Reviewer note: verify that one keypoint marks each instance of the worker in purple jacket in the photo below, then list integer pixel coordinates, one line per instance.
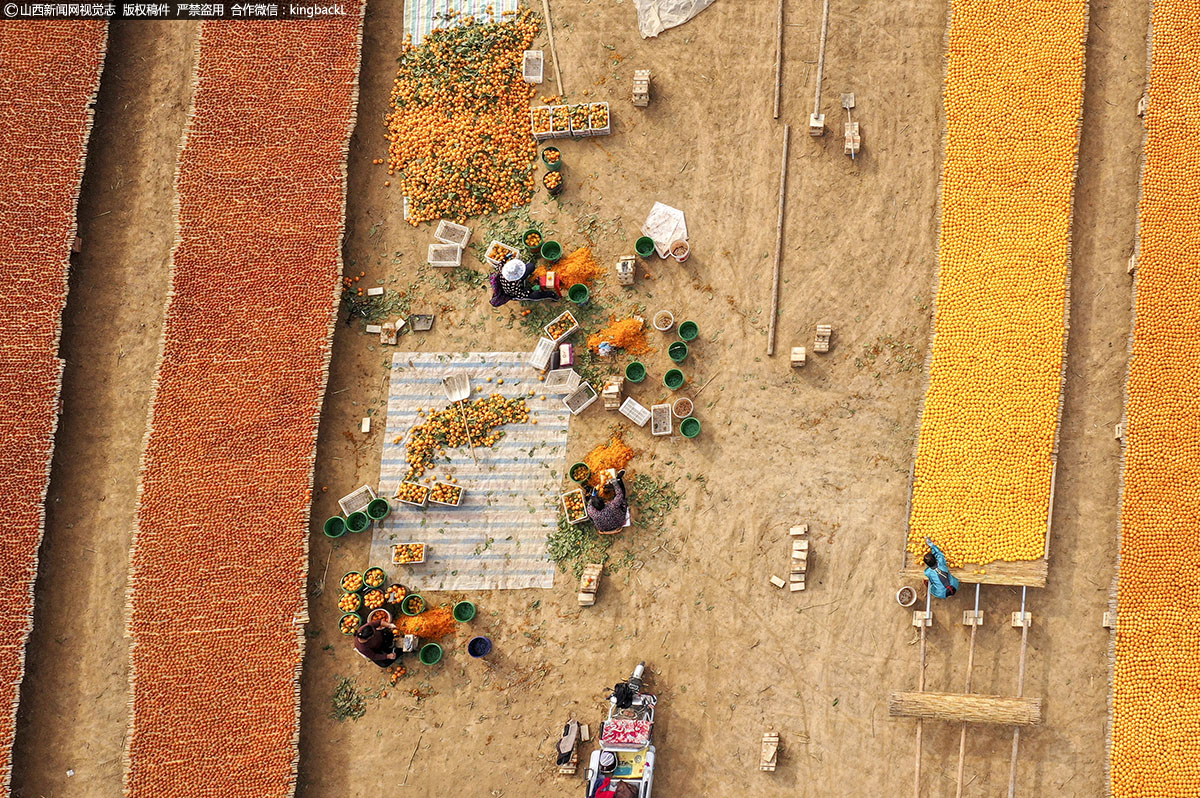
(609, 516)
(377, 642)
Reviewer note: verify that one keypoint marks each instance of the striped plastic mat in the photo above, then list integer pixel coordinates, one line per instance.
(497, 538)
(422, 16)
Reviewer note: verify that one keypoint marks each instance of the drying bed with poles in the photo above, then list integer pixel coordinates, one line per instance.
(51, 74)
(261, 192)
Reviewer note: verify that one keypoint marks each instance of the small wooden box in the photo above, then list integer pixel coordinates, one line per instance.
(824, 335)
(799, 357)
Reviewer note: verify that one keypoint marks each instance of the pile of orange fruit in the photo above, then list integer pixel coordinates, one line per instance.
(1155, 748)
(459, 126)
(443, 429)
(1013, 100)
(51, 73)
(260, 199)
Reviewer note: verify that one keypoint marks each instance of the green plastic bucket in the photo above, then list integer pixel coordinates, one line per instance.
(585, 472)
(335, 527)
(678, 351)
(690, 427)
(533, 231)
(358, 521)
(430, 654)
(464, 611)
(688, 330)
(674, 379)
(342, 582)
(635, 372)
(644, 246)
(552, 166)
(379, 508)
(412, 599)
(578, 293)
(551, 251)
(343, 625)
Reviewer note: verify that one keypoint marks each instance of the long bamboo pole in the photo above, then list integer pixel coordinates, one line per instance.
(962, 732)
(779, 59)
(787, 132)
(1012, 765)
(821, 59)
(553, 51)
(920, 689)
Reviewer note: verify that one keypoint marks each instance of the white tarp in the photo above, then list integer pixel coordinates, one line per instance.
(655, 16)
(665, 225)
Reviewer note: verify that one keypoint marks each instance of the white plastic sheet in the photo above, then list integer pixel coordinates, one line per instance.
(665, 225)
(655, 16)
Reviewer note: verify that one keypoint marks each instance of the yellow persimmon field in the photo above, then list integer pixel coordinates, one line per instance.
(1013, 98)
(1156, 677)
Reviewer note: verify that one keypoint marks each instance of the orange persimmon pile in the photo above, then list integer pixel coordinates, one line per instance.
(459, 132)
(443, 429)
(1155, 748)
(1013, 98)
(51, 73)
(261, 194)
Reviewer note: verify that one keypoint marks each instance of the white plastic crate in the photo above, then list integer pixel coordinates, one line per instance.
(562, 381)
(498, 253)
(539, 123)
(540, 357)
(447, 504)
(560, 127)
(451, 233)
(599, 112)
(635, 411)
(562, 317)
(579, 519)
(424, 496)
(445, 256)
(581, 399)
(660, 419)
(358, 500)
(533, 66)
(580, 129)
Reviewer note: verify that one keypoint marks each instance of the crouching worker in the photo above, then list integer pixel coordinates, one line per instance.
(609, 516)
(377, 642)
(510, 282)
(942, 584)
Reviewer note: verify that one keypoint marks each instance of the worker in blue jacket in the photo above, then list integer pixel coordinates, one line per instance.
(942, 584)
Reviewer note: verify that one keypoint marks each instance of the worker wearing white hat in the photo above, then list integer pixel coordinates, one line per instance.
(509, 282)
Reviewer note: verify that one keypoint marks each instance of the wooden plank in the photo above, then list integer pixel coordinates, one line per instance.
(1027, 573)
(960, 708)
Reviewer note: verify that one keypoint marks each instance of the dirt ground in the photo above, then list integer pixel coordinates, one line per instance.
(831, 446)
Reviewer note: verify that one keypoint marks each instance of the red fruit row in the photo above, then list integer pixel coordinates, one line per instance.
(219, 562)
(49, 75)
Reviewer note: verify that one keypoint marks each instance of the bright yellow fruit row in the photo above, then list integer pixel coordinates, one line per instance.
(1156, 679)
(1014, 92)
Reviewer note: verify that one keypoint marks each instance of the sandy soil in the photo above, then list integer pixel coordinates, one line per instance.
(830, 446)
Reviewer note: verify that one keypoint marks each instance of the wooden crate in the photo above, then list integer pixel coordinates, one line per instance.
(769, 754)
(824, 336)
